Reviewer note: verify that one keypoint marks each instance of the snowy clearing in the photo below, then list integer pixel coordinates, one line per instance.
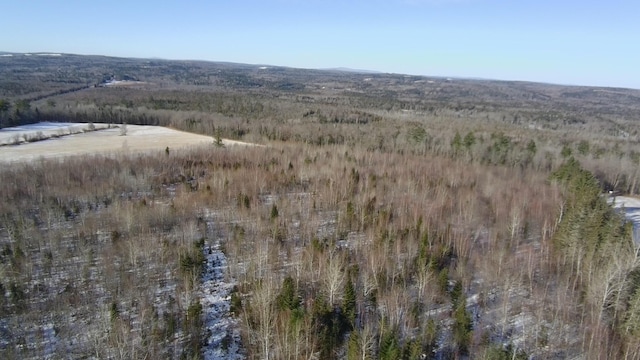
(64, 142)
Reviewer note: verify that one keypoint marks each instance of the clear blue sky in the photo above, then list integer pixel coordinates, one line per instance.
(559, 41)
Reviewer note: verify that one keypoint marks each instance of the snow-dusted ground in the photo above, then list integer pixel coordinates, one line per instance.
(631, 208)
(221, 329)
(223, 337)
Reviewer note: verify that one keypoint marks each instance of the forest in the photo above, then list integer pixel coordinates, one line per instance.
(386, 216)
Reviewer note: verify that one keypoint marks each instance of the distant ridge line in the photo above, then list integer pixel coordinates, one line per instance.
(358, 71)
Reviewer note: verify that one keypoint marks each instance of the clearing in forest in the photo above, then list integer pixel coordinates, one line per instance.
(63, 140)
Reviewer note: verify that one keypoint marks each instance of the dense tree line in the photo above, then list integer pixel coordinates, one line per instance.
(597, 254)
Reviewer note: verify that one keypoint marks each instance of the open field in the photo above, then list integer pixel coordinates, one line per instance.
(102, 141)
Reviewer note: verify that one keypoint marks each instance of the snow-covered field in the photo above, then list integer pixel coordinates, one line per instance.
(22, 134)
(68, 139)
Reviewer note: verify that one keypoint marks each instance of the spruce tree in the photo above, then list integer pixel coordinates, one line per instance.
(349, 302)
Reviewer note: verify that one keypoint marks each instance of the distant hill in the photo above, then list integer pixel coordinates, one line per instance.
(356, 71)
(526, 103)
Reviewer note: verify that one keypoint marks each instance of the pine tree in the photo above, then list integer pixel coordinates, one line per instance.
(457, 294)
(413, 350)
(218, 141)
(288, 297)
(389, 348)
(353, 346)
(462, 327)
(349, 302)
(469, 140)
(430, 336)
(631, 324)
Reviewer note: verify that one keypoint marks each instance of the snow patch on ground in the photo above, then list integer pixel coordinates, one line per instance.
(223, 339)
(122, 82)
(50, 340)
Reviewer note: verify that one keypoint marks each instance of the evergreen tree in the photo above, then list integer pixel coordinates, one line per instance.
(469, 140)
(389, 347)
(353, 346)
(457, 294)
(413, 350)
(532, 148)
(462, 327)
(330, 326)
(349, 302)
(288, 297)
(218, 141)
(631, 325)
(430, 336)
